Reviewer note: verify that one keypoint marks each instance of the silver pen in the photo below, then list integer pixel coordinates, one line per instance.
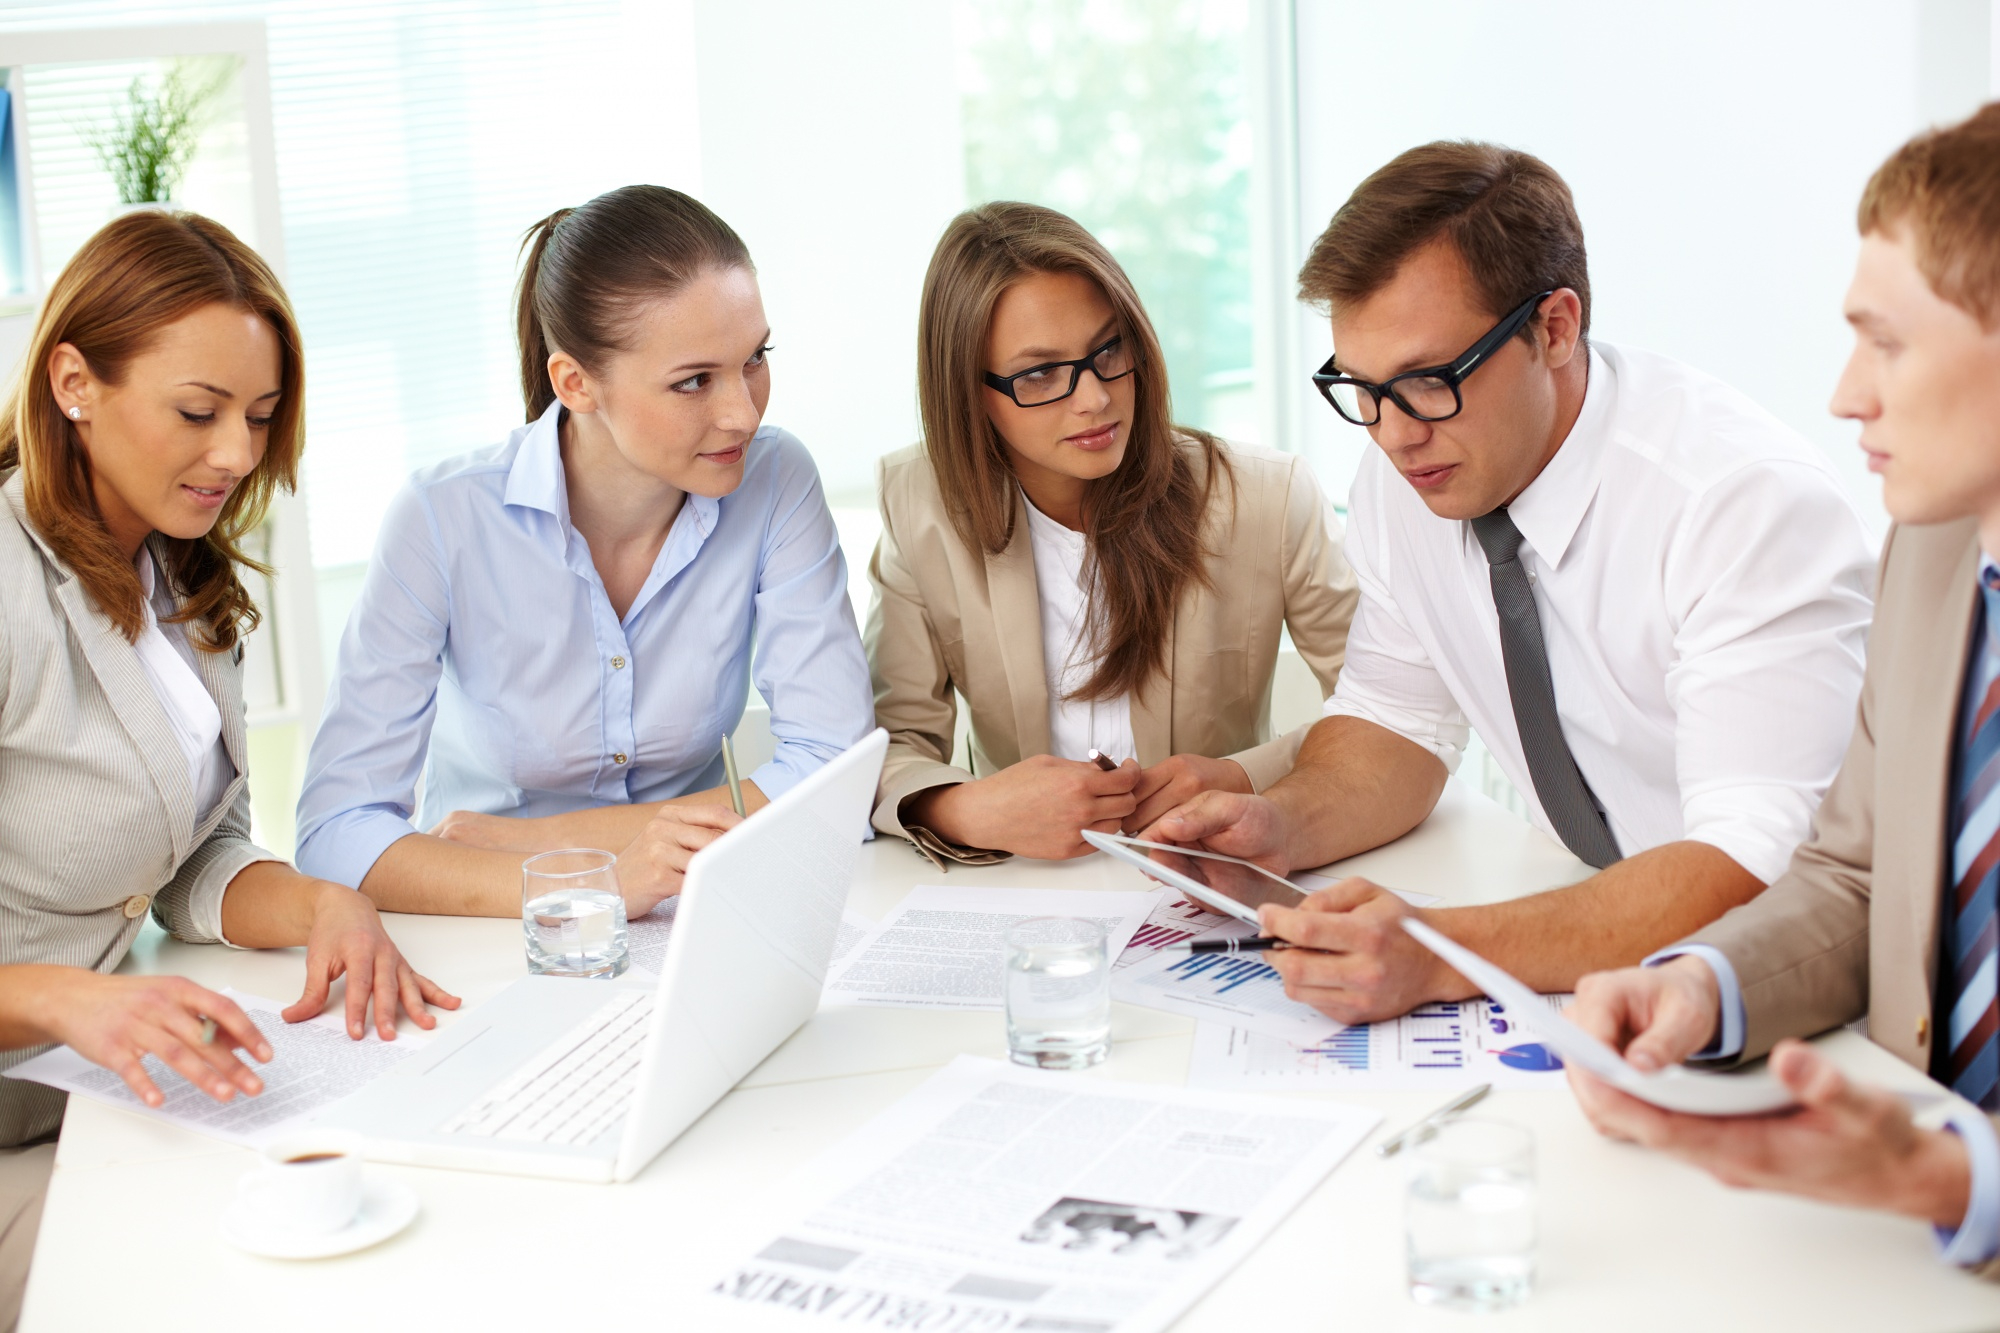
(1394, 1144)
(729, 771)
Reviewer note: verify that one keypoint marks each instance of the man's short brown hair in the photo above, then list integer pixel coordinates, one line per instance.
(1508, 213)
(1943, 188)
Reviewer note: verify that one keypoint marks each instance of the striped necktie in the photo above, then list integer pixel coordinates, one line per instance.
(1972, 1064)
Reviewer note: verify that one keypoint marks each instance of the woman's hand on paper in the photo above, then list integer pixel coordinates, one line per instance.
(654, 866)
(1037, 807)
(348, 939)
(1180, 778)
(1357, 964)
(116, 1021)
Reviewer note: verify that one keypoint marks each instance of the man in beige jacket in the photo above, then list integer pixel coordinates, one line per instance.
(1888, 909)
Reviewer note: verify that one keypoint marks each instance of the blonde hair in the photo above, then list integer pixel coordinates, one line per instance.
(1144, 522)
(135, 277)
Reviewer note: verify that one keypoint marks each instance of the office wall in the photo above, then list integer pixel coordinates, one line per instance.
(1716, 150)
(830, 140)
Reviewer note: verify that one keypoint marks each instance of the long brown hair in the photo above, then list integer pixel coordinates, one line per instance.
(136, 276)
(590, 268)
(1144, 522)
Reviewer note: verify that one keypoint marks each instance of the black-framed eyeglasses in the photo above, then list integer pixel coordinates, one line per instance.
(1428, 394)
(1038, 386)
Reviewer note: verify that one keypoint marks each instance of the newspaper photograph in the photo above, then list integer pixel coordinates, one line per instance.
(996, 1198)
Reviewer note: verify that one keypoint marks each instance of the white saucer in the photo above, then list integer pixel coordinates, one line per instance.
(387, 1206)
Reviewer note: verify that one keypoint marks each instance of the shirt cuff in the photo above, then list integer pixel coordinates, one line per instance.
(345, 848)
(1977, 1237)
(1728, 1043)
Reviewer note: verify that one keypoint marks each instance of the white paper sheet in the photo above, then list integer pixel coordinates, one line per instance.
(941, 948)
(646, 937)
(1445, 1046)
(996, 1198)
(1238, 990)
(313, 1064)
(1175, 921)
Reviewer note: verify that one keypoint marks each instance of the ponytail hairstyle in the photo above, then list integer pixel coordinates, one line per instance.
(1145, 521)
(589, 270)
(137, 275)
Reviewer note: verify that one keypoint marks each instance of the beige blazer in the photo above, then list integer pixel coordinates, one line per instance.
(1851, 927)
(97, 817)
(947, 621)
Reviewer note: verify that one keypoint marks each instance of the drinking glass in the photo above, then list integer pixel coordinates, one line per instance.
(1058, 993)
(573, 914)
(1470, 1216)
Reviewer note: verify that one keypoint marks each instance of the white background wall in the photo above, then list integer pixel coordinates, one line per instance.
(830, 141)
(1716, 149)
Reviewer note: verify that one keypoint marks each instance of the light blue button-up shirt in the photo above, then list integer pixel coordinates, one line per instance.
(484, 652)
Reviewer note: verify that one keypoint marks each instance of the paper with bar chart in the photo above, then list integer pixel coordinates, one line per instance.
(1241, 990)
(1175, 921)
(1441, 1046)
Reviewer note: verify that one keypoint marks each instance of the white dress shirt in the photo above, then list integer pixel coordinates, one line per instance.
(169, 663)
(1076, 726)
(1704, 588)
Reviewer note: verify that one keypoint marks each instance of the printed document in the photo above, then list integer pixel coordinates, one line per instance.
(943, 948)
(1240, 990)
(646, 936)
(996, 1198)
(1444, 1046)
(313, 1064)
(1175, 921)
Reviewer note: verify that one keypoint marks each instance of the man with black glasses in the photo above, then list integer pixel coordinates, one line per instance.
(1647, 596)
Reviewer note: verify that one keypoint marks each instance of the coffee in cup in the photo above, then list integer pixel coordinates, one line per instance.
(309, 1184)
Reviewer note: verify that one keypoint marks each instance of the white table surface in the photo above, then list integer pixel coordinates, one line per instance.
(1629, 1240)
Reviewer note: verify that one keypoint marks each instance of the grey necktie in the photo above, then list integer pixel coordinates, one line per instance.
(1565, 796)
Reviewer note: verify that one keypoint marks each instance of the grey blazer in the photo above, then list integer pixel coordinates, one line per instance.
(97, 817)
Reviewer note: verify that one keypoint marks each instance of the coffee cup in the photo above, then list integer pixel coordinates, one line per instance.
(309, 1184)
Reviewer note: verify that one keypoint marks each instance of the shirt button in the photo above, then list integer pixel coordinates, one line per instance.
(618, 758)
(135, 906)
(617, 664)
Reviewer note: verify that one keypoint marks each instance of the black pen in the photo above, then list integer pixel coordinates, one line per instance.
(1104, 761)
(1240, 944)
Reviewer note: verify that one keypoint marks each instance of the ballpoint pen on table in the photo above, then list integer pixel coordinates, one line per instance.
(1395, 1143)
(729, 771)
(1240, 944)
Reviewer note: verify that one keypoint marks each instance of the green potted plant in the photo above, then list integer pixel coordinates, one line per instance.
(148, 142)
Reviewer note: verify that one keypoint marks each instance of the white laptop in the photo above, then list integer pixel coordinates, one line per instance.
(586, 1080)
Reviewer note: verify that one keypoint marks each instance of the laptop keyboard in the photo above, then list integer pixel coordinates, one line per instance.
(575, 1088)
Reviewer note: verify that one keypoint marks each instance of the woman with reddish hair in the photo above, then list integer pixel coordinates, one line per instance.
(160, 404)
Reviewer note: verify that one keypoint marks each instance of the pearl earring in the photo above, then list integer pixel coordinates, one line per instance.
(76, 414)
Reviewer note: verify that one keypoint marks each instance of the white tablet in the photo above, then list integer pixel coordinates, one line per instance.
(1226, 883)
(1691, 1091)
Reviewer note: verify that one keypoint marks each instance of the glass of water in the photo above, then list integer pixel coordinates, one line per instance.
(573, 914)
(1058, 993)
(1470, 1216)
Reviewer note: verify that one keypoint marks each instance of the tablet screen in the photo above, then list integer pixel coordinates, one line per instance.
(1235, 879)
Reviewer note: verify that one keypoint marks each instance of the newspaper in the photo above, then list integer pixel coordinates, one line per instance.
(1446, 1045)
(943, 947)
(313, 1065)
(1240, 990)
(996, 1198)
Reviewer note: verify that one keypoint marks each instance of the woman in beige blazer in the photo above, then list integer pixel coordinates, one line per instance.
(1089, 577)
(159, 405)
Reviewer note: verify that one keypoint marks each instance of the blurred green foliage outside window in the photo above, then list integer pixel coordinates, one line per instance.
(1129, 116)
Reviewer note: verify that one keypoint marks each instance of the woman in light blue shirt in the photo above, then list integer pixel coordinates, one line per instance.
(558, 630)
